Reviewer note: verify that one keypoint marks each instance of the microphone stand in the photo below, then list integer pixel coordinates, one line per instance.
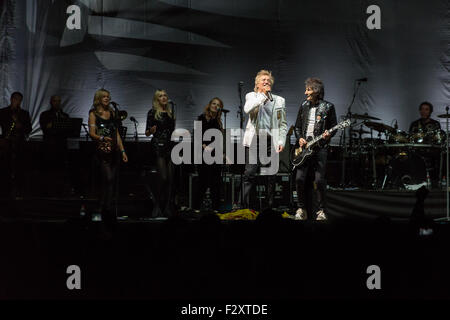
(86, 130)
(116, 191)
(225, 170)
(241, 126)
(136, 138)
(180, 173)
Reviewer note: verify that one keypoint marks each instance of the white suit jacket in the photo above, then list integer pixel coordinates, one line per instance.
(279, 123)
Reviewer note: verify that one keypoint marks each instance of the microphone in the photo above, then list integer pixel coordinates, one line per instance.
(115, 104)
(362, 80)
(269, 94)
(133, 119)
(224, 110)
(396, 124)
(171, 102)
(241, 83)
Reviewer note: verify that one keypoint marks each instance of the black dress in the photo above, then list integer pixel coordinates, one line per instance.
(161, 143)
(109, 162)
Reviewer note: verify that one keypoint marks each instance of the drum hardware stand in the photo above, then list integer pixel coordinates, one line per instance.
(388, 172)
(447, 218)
(348, 116)
(374, 167)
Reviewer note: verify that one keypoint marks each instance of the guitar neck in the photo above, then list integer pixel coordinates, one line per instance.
(318, 138)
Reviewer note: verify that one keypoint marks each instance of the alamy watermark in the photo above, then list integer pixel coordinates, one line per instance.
(258, 150)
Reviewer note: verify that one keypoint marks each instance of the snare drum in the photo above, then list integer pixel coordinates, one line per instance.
(417, 137)
(398, 137)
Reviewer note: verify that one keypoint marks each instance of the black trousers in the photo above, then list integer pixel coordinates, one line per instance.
(317, 162)
(161, 185)
(14, 168)
(109, 166)
(250, 174)
(210, 176)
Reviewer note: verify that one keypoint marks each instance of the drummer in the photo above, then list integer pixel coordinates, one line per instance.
(424, 130)
(425, 123)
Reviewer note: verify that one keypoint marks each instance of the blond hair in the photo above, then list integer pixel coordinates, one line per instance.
(98, 96)
(263, 73)
(158, 107)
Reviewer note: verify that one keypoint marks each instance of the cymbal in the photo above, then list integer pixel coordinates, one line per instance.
(364, 116)
(444, 115)
(381, 127)
(360, 131)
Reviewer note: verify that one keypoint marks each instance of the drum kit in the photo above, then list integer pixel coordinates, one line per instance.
(392, 158)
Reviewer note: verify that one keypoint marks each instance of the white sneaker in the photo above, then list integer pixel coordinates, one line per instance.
(300, 214)
(321, 215)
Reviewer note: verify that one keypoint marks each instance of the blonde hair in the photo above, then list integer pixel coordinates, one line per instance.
(208, 113)
(263, 73)
(98, 96)
(158, 107)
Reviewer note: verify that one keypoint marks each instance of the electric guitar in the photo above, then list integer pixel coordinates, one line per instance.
(300, 154)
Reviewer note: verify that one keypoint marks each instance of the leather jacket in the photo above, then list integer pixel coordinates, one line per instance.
(325, 119)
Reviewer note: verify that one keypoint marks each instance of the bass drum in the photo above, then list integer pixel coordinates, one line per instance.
(407, 168)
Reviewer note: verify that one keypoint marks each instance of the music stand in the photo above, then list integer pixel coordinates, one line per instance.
(67, 127)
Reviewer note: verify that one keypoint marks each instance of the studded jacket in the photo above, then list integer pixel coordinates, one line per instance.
(325, 119)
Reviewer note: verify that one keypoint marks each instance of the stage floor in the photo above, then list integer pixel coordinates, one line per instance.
(269, 258)
(356, 205)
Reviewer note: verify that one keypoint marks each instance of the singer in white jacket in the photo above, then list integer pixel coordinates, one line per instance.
(267, 120)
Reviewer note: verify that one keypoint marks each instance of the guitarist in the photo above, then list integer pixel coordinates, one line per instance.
(314, 118)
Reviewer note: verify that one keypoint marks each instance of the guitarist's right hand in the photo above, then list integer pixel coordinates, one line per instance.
(302, 142)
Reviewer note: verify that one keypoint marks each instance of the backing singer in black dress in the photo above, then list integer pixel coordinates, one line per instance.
(161, 123)
(103, 128)
(210, 174)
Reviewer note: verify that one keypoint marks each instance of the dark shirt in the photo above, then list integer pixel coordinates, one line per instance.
(12, 131)
(421, 125)
(164, 126)
(50, 116)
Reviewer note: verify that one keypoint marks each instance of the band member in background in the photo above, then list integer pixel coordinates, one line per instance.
(49, 117)
(16, 126)
(425, 130)
(266, 112)
(55, 148)
(103, 128)
(314, 118)
(210, 174)
(425, 123)
(161, 124)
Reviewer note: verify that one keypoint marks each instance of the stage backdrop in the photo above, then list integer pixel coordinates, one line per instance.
(199, 49)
